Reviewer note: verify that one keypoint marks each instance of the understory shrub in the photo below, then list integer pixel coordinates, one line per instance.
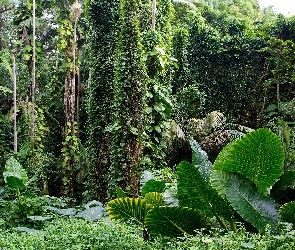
(70, 233)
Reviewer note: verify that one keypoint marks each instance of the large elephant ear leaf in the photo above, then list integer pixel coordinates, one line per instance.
(287, 212)
(153, 186)
(170, 196)
(174, 221)
(154, 198)
(195, 192)
(283, 190)
(200, 159)
(250, 204)
(285, 181)
(14, 174)
(145, 177)
(259, 156)
(14, 183)
(219, 180)
(125, 209)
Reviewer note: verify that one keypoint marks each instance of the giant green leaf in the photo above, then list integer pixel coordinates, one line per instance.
(285, 181)
(174, 221)
(283, 190)
(14, 174)
(124, 209)
(195, 192)
(145, 177)
(120, 193)
(259, 156)
(250, 204)
(154, 198)
(14, 183)
(200, 159)
(170, 196)
(287, 212)
(153, 186)
(219, 180)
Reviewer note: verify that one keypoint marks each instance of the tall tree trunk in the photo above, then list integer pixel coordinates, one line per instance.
(14, 103)
(78, 95)
(102, 35)
(33, 73)
(69, 105)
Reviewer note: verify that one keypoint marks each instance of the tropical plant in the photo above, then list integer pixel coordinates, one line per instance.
(239, 182)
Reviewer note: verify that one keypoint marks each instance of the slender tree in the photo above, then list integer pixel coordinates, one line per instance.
(70, 148)
(14, 103)
(33, 72)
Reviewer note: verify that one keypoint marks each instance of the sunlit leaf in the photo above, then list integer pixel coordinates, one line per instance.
(126, 209)
(259, 156)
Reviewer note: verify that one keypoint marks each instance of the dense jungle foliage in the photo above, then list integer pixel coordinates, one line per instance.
(136, 124)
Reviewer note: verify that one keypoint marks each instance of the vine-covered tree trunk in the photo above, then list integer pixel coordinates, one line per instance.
(14, 103)
(130, 87)
(102, 17)
(33, 72)
(70, 149)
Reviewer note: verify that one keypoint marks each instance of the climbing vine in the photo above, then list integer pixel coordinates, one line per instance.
(130, 87)
(102, 17)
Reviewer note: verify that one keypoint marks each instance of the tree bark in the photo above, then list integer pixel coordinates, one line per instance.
(33, 73)
(78, 95)
(14, 103)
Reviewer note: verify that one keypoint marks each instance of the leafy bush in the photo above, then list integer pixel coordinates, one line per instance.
(66, 233)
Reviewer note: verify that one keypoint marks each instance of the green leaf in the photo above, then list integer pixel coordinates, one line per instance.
(259, 156)
(14, 169)
(145, 177)
(287, 212)
(153, 186)
(5, 90)
(200, 159)
(251, 205)
(174, 221)
(154, 198)
(170, 197)
(285, 181)
(219, 181)
(128, 208)
(63, 211)
(29, 230)
(134, 130)
(94, 211)
(40, 218)
(14, 183)
(195, 192)
(120, 193)
(27, 56)
(159, 107)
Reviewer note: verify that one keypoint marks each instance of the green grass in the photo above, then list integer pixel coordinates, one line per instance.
(72, 233)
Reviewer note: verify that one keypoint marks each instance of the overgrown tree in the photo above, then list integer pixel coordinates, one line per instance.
(102, 17)
(129, 90)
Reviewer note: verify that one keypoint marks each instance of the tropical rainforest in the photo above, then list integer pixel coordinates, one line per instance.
(146, 124)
